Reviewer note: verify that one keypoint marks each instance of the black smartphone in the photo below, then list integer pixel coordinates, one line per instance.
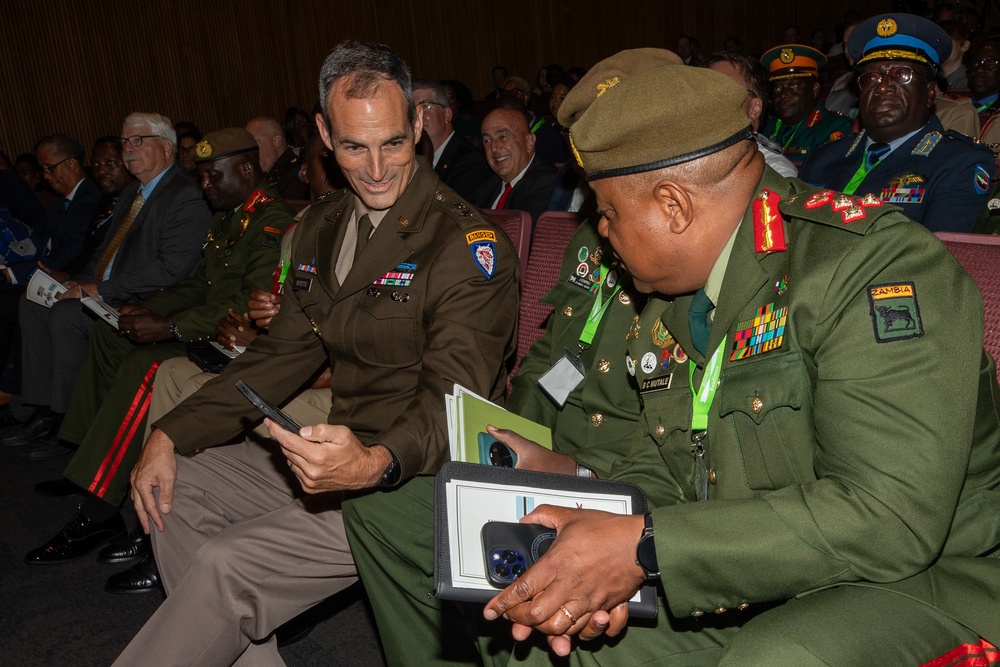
(511, 548)
(271, 412)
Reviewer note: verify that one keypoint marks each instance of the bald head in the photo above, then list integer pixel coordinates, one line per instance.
(270, 139)
(508, 142)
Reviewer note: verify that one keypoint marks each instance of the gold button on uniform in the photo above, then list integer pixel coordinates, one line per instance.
(697, 613)
(712, 476)
(568, 311)
(624, 298)
(756, 404)
(742, 606)
(597, 419)
(659, 431)
(721, 610)
(603, 366)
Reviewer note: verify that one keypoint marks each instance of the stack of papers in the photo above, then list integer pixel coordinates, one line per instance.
(468, 415)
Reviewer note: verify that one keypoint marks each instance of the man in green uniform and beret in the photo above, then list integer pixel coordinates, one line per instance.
(405, 290)
(839, 481)
(107, 411)
(800, 123)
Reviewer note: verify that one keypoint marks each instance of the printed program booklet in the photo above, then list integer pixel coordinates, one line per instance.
(468, 415)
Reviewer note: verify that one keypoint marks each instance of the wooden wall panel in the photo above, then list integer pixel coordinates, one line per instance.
(80, 67)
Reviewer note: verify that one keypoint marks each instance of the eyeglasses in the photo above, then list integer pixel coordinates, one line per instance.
(514, 92)
(135, 140)
(790, 85)
(984, 63)
(52, 167)
(182, 149)
(428, 105)
(899, 75)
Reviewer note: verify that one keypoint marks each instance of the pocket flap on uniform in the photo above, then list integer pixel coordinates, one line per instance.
(757, 386)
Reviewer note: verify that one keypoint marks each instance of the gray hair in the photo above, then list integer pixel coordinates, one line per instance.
(438, 91)
(367, 65)
(157, 124)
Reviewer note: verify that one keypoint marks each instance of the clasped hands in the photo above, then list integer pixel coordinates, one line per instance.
(582, 585)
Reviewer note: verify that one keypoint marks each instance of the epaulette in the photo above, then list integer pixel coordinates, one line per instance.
(465, 214)
(853, 214)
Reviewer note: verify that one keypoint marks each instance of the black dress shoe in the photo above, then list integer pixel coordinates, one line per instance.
(125, 549)
(77, 538)
(22, 434)
(58, 488)
(143, 577)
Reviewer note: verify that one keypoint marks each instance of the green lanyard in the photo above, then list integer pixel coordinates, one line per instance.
(597, 311)
(705, 394)
(777, 130)
(859, 176)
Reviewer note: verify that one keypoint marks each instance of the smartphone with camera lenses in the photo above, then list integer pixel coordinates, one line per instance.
(511, 548)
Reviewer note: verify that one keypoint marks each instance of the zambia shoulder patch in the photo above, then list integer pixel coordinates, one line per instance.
(895, 312)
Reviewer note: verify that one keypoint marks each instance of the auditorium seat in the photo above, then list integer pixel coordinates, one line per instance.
(553, 232)
(517, 225)
(979, 254)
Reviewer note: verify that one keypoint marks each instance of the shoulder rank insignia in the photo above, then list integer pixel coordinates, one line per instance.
(857, 140)
(895, 312)
(484, 250)
(836, 135)
(258, 198)
(768, 226)
(927, 144)
(763, 333)
(814, 117)
(821, 198)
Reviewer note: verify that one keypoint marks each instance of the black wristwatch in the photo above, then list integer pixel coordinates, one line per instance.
(391, 475)
(645, 550)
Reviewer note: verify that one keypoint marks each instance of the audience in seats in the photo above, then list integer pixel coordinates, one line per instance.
(279, 163)
(904, 156)
(522, 180)
(551, 147)
(157, 230)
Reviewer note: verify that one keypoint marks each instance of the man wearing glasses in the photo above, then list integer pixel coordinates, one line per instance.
(904, 156)
(456, 161)
(984, 84)
(157, 230)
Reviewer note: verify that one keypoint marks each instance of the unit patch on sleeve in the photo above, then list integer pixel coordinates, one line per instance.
(484, 251)
(895, 312)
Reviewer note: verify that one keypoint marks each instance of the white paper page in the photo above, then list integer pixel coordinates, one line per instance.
(43, 289)
(472, 504)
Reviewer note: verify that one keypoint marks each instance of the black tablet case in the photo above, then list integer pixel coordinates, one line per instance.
(443, 588)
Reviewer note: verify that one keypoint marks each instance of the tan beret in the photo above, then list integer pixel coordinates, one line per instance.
(608, 73)
(658, 118)
(224, 143)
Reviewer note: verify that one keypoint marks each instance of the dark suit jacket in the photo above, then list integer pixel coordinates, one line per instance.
(163, 245)
(939, 178)
(65, 231)
(532, 193)
(462, 167)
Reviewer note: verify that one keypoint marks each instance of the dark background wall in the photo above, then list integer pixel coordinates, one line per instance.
(80, 67)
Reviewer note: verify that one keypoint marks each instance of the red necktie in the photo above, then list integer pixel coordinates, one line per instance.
(503, 196)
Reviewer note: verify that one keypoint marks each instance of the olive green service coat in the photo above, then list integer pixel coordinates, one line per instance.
(854, 451)
(857, 447)
(107, 411)
(394, 350)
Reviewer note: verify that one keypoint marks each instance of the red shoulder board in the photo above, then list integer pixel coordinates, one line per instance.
(257, 198)
(836, 135)
(768, 226)
(814, 118)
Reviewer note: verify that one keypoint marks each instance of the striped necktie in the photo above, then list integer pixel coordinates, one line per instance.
(116, 240)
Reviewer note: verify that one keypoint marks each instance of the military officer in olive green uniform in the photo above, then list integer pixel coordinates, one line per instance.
(800, 123)
(839, 478)
(107, 410)
(401, 314)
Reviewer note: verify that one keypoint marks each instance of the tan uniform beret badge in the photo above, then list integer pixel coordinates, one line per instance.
(203, 149)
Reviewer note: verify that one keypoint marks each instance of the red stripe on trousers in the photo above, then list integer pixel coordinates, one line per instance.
(139, 404)
(981, 654)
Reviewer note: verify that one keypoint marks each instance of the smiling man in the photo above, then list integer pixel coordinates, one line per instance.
(940, 178)
(405, 290)
(523, 181)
